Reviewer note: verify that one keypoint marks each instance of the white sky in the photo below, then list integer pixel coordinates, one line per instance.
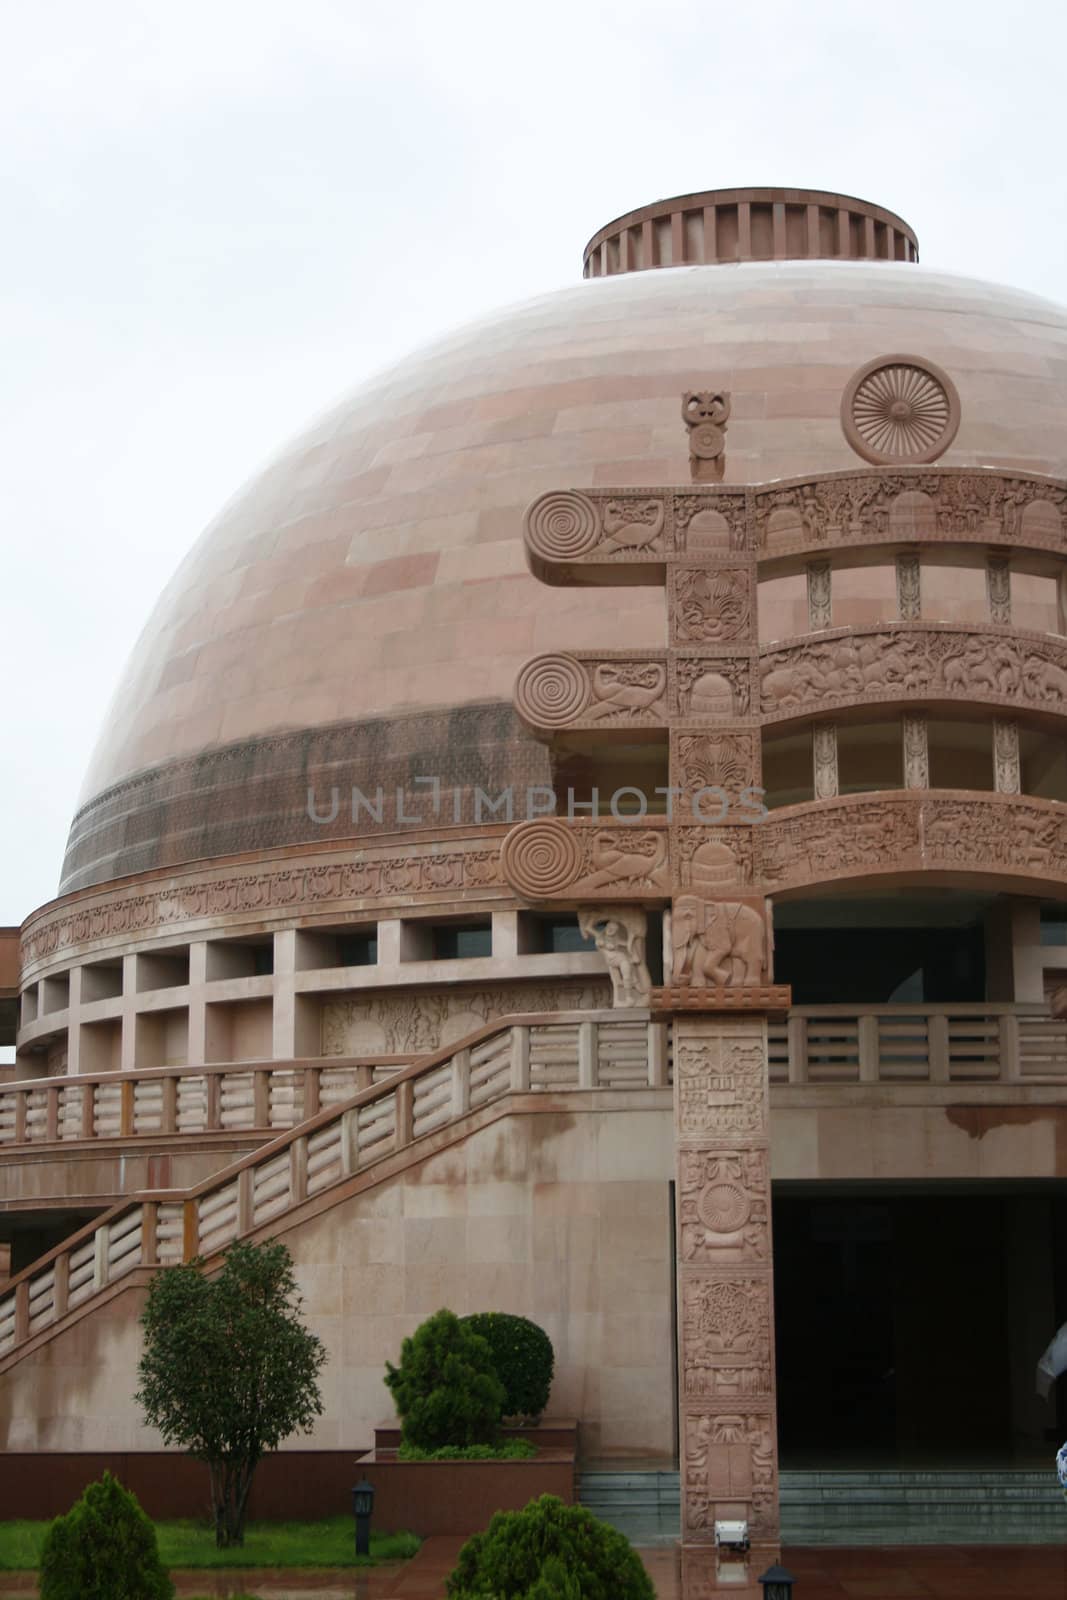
(218, 216)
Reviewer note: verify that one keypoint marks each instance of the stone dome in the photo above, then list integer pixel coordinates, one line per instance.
(363, 606)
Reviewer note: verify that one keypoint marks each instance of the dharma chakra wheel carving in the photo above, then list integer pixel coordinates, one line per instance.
(552, 690)
(562, 526)
(900, 409)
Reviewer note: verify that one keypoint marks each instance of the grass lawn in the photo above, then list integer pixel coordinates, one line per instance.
(330, 1543)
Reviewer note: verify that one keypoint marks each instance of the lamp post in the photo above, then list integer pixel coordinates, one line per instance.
(777, 1584)
(362, 1506)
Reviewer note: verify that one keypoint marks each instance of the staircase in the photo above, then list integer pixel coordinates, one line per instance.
(858, 1508)
(645, 1506)
(408, 1114)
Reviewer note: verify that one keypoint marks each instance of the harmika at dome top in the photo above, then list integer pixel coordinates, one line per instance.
(359, 612)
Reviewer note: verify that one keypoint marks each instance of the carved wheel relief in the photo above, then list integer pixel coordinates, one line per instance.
(900, 408)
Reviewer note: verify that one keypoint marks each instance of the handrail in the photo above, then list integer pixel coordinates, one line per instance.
(268, 1097)
(76, 1108)
(528, 1053)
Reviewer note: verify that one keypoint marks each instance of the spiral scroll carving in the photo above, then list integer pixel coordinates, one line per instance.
(541, 858)
(562, 526)
(900, 409)
(552, 691)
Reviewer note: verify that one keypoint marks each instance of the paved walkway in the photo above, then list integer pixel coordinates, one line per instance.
(987, 1572)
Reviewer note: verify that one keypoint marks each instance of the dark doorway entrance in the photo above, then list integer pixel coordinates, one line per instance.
(910, 1322)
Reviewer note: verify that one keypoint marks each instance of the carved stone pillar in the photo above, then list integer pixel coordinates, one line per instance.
(1007, 778)
(820, 595)
(824, 759)
(998, 588)
(909, 587)
(916, 751)
(729, 1458)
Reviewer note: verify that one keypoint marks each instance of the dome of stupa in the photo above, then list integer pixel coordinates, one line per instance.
(363, 606)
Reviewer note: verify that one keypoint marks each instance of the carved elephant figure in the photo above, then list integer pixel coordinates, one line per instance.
(717, 942)
(1045, 680)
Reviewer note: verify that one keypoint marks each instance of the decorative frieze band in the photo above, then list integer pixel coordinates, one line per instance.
(570, 534)
(901, 660)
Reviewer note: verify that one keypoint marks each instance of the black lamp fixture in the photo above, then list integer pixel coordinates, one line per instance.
(777, 1584)
(362, 1506)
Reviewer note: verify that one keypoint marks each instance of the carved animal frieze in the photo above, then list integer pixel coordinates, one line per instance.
(893, 663)
(551, 858)
(837, 841)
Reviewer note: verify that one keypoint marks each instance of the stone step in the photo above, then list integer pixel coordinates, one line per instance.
(883, 1506)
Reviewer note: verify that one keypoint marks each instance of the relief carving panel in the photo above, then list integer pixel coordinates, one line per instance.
(890, 663)
(393, 1023)
(551, 858)
(710, 605)
(721, 1087)
(726, 1324)
(723, 1198)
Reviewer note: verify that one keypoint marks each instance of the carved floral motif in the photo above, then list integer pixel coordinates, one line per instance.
(710, 605)
(724, 761)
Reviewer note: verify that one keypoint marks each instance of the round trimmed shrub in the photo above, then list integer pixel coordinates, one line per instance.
(549, 1551)
(523, 1357)
(103, 1549)
(446, 1389)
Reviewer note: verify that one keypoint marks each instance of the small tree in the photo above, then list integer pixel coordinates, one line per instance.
(445, 1388)
(523, 1357)
(549, 1550)
(228, 1370)
(103, 1549)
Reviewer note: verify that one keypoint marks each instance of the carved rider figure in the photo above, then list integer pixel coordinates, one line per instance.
(619, 932)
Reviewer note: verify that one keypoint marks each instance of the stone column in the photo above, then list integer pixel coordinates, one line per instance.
(728, 1448)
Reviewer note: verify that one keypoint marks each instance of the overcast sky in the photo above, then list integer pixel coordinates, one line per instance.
(219, 216)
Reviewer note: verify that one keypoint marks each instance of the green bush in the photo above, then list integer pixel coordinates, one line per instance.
(506, 1450)
(103, 1549)
(549, 1551)
(523, 1357)
(446, 1389)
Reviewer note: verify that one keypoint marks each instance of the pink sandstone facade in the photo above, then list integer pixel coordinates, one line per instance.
(761, 517)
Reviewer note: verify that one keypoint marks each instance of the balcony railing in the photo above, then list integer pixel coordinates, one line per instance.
(963, 1043)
